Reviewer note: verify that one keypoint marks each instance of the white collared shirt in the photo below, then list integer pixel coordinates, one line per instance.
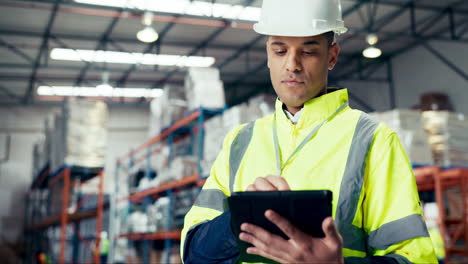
(294, 118)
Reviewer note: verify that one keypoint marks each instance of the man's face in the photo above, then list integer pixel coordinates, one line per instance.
(299, 67)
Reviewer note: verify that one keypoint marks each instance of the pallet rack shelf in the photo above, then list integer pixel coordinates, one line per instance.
(63, 177)
(454, 230)
(191, 125)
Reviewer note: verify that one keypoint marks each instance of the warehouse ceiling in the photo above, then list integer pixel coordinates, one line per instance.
(29, 30)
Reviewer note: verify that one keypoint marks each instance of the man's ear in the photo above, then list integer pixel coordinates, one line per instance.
(333, 53)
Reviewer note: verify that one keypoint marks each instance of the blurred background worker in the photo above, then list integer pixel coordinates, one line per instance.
(314, 140)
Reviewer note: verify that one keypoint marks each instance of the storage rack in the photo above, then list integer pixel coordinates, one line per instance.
(36, 238)
(454, 230)
(191, 125)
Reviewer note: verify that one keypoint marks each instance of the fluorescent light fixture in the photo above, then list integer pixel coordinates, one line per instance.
(147, 35)
(130, 58)
(371, 52)
(195, 8)
(97, 92)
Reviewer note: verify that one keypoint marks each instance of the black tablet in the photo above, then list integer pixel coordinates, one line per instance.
(305, 209)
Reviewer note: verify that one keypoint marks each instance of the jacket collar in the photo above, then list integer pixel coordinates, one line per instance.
(314, 110)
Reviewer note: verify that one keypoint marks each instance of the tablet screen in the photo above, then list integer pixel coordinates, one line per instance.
(305, 209)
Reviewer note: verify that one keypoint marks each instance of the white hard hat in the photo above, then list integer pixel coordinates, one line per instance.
(300, 18)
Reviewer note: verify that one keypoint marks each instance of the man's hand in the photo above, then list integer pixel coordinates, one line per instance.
(300, 248)
(269, 183)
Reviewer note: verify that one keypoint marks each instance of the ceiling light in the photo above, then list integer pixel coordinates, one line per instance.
(372, 39)
(147, 34)
(371, 52)
(97, 92)
(130, 58)
(105, 88)
(185, 7)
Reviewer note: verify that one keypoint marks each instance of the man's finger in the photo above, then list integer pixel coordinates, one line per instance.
(279, 182)
(265, 244)
(289, 229)
(262, 184)
(251, 188)
(251, 236)
(331, 232)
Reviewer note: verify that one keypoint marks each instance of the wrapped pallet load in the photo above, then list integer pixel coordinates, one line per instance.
(79, 136)
(408, 125)
(170, 107)
(204, 88)
(86, 137)
(448, 137)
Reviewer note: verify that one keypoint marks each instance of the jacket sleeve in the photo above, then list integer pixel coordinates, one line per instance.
(391, 212)
(207, 211)
(212, 242)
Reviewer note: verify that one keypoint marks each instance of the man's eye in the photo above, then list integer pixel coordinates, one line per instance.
(309, 52)
(280, 52)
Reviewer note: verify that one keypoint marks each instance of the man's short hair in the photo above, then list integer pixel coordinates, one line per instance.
(330, 36)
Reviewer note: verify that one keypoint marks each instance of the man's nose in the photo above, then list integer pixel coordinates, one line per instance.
(293, 63)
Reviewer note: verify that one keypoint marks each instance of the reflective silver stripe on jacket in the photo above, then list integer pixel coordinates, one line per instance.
(396, 231)
(237, 151)
(351, 184)
(214, 198)
(211, 198)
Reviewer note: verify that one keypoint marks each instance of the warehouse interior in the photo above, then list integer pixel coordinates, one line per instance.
(102, 145)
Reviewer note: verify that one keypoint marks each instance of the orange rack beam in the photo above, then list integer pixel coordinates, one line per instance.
(425, 177)
(174, 235)
(182, 122)
(163, 187)
(55, 219)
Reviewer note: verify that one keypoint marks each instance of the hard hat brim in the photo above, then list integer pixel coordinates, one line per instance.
(293, 32)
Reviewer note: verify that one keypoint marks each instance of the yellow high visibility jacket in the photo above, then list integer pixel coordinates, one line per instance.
(375, 201)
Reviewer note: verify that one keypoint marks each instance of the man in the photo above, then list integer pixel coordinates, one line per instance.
(312, 141)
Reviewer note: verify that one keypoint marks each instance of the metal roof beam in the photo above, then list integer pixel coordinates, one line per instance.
(10, 94)
(428, 22)
(16, 51)
(43, 49)
(102, 42)
(445, 60)
(418, 42)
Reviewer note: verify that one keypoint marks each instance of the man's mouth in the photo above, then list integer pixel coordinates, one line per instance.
(293, 83)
